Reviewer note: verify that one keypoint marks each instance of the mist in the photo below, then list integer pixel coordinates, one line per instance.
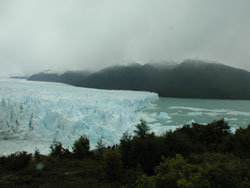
(80, 34)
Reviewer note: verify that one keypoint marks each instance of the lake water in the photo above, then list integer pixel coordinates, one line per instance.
(171, 113)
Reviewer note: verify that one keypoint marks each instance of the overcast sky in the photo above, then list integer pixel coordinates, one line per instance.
(36, 35)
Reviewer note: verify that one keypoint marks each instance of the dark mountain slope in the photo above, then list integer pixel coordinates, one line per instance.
(207, 80)
(189, 79)
(69, 77)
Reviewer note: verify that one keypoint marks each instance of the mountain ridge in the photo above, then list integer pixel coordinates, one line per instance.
(188, 79)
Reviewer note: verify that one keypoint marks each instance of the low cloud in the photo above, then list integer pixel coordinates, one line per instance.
(81, 34)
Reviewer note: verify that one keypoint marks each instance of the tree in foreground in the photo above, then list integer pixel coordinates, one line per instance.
(81, 147)
(56, 149)
(142, 129)
(100, 147)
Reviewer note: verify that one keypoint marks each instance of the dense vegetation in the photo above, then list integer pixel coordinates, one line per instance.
(201, 156)
(189, 79)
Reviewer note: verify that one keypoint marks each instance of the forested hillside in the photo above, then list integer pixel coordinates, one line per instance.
(189, 79)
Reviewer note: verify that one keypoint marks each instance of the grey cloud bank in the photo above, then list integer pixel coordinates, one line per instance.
(76, 34)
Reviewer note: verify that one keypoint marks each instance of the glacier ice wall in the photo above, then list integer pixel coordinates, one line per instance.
(33, 114)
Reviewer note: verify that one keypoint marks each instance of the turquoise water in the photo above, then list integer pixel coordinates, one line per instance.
(171, 113)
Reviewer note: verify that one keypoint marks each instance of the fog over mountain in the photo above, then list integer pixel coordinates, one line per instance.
(189, 79)
(93, 34)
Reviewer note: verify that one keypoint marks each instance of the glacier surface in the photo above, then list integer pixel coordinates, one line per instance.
(34, 114)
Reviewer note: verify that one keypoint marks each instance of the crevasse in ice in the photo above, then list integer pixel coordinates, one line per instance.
(33, 114)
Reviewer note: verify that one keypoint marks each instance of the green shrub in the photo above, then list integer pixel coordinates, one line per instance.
(100, 148)
(113, 165)
(37, 155)
(125, 148)
(58, 151)
(16, 161)
(81, 147)
(145, 181)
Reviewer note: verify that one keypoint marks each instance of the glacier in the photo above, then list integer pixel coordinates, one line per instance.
(34, 114)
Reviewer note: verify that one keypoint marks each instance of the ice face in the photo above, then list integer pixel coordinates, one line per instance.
(33, 114)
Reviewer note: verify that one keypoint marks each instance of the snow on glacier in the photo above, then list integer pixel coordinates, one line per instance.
(34, 114)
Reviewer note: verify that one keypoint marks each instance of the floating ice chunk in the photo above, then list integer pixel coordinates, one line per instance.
(164, 115)
(156, 124)
(238, 113)
(191, 122)
(230, 119)
(153, 114)
(194, 113)
(174, 114)
(169, 121)
(213, 112)
(199, 109)
(188, 108)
